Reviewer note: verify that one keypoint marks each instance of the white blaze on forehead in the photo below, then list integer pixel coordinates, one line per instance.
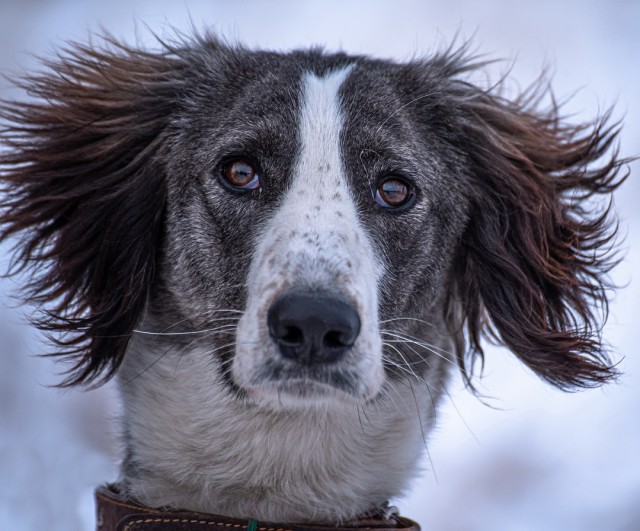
(320, 126)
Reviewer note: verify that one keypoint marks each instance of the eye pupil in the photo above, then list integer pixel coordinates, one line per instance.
(393, 192)
(240, 174)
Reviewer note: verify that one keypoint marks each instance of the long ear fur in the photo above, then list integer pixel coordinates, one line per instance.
(82, 184)
(535, 256)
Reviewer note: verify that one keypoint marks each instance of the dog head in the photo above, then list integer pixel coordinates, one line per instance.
(326, 223)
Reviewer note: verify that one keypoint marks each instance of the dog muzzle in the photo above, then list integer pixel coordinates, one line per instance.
(115, 513)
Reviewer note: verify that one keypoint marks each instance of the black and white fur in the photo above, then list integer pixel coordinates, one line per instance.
(147, 262)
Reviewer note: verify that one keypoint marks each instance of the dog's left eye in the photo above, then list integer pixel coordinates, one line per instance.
(240, 175)
(394, 192)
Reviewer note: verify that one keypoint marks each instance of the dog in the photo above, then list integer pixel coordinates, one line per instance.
(283, 257)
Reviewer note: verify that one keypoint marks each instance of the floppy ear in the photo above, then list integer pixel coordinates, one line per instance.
(535, 256)
(83, 186)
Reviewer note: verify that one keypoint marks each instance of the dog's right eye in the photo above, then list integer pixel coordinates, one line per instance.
(393, 193)
(240, 175)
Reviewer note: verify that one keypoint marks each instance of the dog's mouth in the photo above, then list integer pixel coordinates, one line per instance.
(300, 387)
(305, 381)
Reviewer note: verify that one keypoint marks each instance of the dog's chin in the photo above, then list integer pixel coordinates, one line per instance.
(305, 392)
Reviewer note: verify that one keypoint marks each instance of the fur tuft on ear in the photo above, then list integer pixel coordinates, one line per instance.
(83, 188)
(538, 248)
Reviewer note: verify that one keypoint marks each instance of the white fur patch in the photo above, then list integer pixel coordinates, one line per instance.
(314, 242)
(196, 446)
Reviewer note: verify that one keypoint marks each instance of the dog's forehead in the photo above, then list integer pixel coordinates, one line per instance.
(264, 93)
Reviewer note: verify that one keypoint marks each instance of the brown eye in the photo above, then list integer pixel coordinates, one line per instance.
(241, 175)
(393, 193)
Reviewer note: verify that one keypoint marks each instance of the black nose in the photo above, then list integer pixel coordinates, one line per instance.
(313, 328)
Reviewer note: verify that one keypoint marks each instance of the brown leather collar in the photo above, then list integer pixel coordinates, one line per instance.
(115, 513)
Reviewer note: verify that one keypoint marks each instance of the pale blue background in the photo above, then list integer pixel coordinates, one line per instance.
(537, 459)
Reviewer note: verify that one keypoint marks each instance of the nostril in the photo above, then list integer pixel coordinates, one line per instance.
(337, 339)
(292, 335)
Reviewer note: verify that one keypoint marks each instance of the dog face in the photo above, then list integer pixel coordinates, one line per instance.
(302, 237)
(249, 233)
(310, 225)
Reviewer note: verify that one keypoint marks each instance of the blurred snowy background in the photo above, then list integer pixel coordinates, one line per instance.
(538, 459)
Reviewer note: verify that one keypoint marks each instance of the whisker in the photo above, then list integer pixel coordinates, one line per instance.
(149, 367)
(402, 107)
(413, 339)
(360, 419)
(408, 370)
(406, 363)
(224, 366)
(409, 343)
(364, 412)
(204, 319)
(420, 362)
(408, 340)
(395, 403)
(193, 332)
(394, 319)
(424, 437)
(222, 348)
(428, 387)
(404, 369)
(444, 388)
(185, 348)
